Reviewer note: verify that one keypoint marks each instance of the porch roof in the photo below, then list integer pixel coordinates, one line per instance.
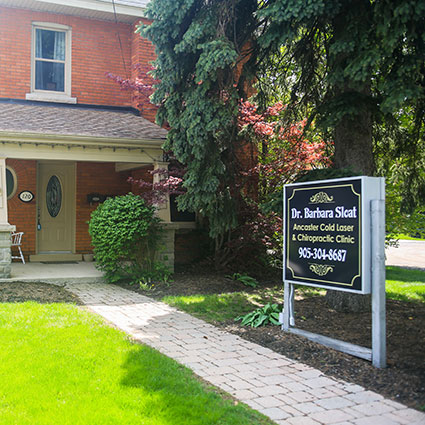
(28, 118)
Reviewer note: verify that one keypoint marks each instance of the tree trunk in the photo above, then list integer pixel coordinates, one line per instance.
(353, 144)
(353, 150)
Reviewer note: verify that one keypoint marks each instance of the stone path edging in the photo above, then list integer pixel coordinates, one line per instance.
(285, 390)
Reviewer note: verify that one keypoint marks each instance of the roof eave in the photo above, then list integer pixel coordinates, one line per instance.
(89, 141)
(103, 9)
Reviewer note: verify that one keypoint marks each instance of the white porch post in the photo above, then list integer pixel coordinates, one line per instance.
(163, 209)
(5, 227)
(163, 212)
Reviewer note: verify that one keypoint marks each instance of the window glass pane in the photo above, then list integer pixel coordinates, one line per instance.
(49, 76)
(50, 45)
(10, 182)
(53, 196)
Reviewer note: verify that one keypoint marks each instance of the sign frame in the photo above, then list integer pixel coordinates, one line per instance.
(373, 272)
(371, 188)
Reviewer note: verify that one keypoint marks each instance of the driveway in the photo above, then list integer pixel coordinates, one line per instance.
(408, 254)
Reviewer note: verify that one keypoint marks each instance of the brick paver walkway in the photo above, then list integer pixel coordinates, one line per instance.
(287, 391)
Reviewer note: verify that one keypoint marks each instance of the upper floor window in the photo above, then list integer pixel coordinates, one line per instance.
(49, 60)
(51, 63)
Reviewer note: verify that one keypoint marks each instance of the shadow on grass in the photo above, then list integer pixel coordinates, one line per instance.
(217, 307)
(418, 297)
(172, 395)
(405, 275)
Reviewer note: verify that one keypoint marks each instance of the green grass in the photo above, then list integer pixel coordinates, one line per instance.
(62, 365)
(405, 284)
(401, 284)
(407, 237)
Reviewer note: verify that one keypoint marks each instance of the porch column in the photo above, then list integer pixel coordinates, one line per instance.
(163, 209)
(166, 254)
(5, 227)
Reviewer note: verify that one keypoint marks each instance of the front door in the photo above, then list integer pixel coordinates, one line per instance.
(56, 207)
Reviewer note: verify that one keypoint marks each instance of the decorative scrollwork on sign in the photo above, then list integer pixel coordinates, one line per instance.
(321, 198)
(321, 269)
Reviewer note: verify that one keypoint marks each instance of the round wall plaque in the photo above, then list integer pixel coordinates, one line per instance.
(26, 196)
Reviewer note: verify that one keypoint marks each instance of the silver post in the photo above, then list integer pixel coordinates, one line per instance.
(378, 284)
(291, 305)
(286, 308)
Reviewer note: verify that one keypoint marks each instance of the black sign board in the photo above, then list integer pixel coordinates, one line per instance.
(323, 234)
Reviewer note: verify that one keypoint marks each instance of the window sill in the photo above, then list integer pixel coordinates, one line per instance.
(51, 97)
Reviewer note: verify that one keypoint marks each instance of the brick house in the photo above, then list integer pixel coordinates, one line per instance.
(67, 133)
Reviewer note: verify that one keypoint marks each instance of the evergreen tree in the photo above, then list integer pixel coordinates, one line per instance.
(356, 66)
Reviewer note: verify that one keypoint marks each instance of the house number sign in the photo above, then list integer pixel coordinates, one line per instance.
(26, 196)
(327, 243)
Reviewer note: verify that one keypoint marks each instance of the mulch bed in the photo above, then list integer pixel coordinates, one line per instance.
(403, 380)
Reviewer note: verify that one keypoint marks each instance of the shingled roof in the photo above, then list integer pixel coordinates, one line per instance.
(61, 120)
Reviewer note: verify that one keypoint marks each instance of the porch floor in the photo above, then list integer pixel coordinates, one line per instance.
(59, 273)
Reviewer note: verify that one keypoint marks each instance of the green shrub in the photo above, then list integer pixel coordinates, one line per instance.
(126, 237)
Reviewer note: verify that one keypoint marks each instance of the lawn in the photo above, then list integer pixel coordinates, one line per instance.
(62, 365)
(405, 237)
(405, 285)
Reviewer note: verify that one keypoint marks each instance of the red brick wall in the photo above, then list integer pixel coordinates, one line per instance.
(24, 215)
(95, 50)
(143, 53)
(95, 177)
(141, 174)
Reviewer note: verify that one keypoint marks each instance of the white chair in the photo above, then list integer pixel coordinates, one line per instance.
(16, 241)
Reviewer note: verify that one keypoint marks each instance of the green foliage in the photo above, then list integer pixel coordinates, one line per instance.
(245, 279)
(269, 314)
(198, 44)
(355, 68)
(157, 272)
(126, 235)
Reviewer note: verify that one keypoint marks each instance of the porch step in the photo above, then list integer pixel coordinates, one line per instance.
(55, 258)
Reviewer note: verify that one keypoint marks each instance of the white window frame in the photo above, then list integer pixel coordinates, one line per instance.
(50, 95)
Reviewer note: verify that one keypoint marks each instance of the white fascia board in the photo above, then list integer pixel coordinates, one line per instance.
(100, 9)
(100, 6)
(79, 154)
(71, 148)
(69, 140)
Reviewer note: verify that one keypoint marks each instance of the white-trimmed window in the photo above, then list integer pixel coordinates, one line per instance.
(11, 182)
(51, 63)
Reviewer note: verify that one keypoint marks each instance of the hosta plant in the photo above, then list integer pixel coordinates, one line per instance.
(269, 314)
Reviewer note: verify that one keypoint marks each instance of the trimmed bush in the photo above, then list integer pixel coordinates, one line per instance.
(126, 237)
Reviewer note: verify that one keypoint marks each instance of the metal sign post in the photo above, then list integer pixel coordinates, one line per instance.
(334, 238)
(378, 284)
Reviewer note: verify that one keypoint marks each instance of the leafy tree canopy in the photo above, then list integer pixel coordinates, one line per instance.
(355, 66)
